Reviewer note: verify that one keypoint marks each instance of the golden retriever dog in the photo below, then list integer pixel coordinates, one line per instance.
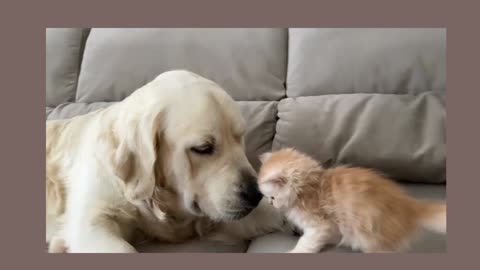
(168, 162)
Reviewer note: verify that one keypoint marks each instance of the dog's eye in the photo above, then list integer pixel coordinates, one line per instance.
(203, 149)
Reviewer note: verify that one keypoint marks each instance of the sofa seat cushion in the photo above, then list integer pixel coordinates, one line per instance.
(70, 110)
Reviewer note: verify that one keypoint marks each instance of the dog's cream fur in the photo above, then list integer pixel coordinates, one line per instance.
(127, 172)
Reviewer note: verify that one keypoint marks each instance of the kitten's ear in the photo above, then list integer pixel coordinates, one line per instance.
(265, 157)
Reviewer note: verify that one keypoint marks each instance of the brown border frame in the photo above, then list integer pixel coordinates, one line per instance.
(23, 61)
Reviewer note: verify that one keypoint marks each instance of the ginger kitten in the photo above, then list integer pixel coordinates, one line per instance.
(348, 206)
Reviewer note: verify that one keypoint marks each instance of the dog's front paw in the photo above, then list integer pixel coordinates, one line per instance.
(57, 245)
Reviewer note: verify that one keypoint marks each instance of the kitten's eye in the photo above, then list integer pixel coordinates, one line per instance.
(206, 149)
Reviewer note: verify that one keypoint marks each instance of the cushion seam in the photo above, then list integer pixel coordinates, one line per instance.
(81, 51)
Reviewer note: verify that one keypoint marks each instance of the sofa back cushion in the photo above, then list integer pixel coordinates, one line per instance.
(249, 63)
(63, 55)
(363, 60)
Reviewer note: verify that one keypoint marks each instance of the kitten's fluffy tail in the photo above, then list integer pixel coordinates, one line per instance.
(433, 216)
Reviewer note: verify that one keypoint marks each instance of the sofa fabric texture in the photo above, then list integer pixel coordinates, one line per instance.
(64, 51)
(369, 97)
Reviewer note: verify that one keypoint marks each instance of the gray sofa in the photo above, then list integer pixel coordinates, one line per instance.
(369, 97)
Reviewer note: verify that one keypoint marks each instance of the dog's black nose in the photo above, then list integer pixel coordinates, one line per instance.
(249, 192)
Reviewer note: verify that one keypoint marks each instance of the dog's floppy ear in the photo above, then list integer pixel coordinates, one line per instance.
(136, 154)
